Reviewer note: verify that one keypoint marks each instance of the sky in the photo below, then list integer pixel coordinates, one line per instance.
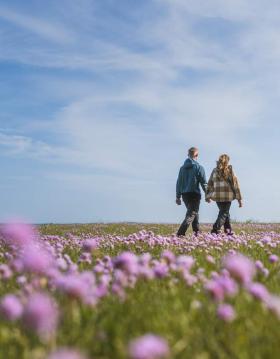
(101, 99)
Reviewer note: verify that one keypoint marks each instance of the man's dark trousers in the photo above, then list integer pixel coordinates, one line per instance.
(223, 218)
(192, 202)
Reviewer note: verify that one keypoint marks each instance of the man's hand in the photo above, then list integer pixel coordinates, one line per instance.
(240, 203)
(178, 201)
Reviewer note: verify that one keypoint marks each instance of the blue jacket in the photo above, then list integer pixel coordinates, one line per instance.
(191, 174)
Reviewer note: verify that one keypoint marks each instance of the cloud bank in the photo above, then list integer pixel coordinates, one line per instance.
(107, 98)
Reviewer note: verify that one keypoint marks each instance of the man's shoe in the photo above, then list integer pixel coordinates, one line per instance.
(230, 233)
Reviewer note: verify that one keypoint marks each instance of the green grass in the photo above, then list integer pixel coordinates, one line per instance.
(163, 307)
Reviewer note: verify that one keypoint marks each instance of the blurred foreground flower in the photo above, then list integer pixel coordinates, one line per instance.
(64, 353)
(273, 258)
(36, 260)
(226, 312)
(258, 291)
(19, 234)
(89, 245)
(41, 315)
(10, 307)
(149, 346)
(128, 262)
(240, 267)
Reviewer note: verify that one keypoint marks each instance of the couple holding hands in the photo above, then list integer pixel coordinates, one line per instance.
(222, 188)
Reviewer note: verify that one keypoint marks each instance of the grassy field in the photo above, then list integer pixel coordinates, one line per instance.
(158, 291)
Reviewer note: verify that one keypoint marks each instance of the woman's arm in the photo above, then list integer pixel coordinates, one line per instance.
(237, 189)
(210, 186)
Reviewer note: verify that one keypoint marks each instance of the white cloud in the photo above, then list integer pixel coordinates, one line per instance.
(26, 146)
(184, 89)
(94, 135)
(237, 10)
(49, 30)
(15, 144)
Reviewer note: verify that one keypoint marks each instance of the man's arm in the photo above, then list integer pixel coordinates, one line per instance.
(178, 185)
(210, 187)
(202, 178)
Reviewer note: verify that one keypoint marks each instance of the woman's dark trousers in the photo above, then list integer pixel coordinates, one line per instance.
(223, 218)
(192, 202)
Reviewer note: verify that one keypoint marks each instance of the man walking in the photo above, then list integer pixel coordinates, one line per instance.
(191, 175)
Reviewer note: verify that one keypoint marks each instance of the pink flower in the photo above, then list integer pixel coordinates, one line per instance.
(85, 257)
(11, 307)
(229, 285)
(65, 353)
(240, 267)
(5, 272)
(19, 234)
(215, 290)
(185, 262)
(36, 260)
(168, 256)
(78, 286)
(259, 265)
(266, 239)
(161, 270)
(258, 291)
(265, 272)
(273, 304)
(190, 279)
(41, 315)
(127, 262)
(210, 259)
(273, 258)
(89, 245)
(149, 346)
(220, 287)
(226, 312)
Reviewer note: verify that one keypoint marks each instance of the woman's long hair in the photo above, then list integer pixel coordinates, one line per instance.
(223, 167)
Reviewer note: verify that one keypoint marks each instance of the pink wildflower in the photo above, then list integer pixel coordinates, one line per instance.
(10, 307)
(41, 315)
(226, 312)
(273, 258)
(240, 267)
(148, 346)
(66, 353)
(19, 234)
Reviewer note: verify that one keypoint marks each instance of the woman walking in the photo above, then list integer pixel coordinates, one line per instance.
(223, 188)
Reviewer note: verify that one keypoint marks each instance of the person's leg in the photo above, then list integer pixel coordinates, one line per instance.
(192, 205)
(222, 216)
(184, 225)
(215, 225)
(227, 225)
(195, 222)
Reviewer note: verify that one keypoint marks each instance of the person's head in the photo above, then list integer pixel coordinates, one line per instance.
(223, 166)
(193, 153)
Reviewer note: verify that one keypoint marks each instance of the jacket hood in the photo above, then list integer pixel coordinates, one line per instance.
(189, 163)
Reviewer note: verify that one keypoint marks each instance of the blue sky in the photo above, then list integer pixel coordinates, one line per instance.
(101, 99)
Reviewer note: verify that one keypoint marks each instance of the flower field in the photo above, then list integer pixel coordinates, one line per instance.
(138, 291)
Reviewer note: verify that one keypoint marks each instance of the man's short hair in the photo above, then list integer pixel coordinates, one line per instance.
(192, 151)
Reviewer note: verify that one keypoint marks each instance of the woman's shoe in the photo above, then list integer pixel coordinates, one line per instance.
(215, 231)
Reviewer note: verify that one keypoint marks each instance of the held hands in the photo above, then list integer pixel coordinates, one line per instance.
(178, 201)
(240, 203)
(208, 200)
